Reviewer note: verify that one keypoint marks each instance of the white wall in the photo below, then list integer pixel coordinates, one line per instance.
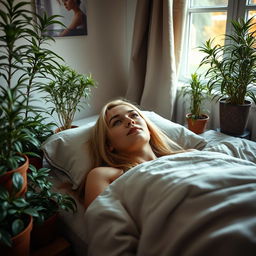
(104, 52)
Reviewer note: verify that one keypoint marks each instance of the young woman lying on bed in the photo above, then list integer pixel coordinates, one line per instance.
(171, 201)
(123, 138)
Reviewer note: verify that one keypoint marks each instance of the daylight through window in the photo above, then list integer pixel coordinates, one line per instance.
(209, 19)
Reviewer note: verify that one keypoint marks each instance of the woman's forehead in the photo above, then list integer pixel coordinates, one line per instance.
(118, 110)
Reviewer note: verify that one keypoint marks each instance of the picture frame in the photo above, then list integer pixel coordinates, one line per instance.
(72, 14)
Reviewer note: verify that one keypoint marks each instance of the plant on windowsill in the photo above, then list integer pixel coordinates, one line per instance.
(40, 195)
(65, 92)
(232, 75)
(197, 91)
(15, 220)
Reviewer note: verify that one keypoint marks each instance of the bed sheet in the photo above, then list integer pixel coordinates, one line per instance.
(233, 146)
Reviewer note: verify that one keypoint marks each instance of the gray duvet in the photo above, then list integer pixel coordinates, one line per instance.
(189, 204)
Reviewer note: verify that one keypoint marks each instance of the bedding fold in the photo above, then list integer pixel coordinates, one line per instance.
(194, 203)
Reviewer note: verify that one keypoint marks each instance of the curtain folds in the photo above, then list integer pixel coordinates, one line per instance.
(155, 54)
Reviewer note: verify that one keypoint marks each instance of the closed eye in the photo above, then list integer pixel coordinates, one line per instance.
(134, 115)
(116, 122)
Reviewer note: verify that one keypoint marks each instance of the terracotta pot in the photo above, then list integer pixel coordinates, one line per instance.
(233, 118)
(197, 125)
(20, 243)
(6, 179)
(60, 129)
(45, 233)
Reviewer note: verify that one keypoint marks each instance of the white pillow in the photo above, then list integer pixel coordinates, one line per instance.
(68, 150)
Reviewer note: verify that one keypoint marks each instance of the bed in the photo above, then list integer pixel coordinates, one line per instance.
(195, 203)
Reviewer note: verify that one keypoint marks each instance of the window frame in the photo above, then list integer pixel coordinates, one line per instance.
(234, 10)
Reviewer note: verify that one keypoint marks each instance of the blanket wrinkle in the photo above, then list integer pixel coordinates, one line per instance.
(194, 203)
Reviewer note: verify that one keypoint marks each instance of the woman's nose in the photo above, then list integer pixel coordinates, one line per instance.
(129, 122)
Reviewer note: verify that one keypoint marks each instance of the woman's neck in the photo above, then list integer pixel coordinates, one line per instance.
(143, 155)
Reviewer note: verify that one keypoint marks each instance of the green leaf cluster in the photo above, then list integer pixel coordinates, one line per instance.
(197, 91)
(232, 67)
(14, 212)
(41, 196)
(65, 91)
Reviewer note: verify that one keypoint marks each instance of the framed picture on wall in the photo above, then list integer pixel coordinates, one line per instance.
(73, 13)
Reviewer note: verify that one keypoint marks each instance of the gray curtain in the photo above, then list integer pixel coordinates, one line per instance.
(155, 54)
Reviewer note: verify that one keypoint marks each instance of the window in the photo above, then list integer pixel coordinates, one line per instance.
(209, 19)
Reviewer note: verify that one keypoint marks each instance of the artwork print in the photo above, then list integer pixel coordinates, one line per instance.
(73, 14)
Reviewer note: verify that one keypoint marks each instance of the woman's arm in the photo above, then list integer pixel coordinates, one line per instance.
(97, 180)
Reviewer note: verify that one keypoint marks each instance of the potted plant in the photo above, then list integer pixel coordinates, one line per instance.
(15, 221)
(24, 60)
(197, 92)
(231, 70)
(40, 195)
(13, 135)
(65, 92)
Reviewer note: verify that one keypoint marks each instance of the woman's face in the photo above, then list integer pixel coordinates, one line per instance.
(127, 130)
(69, 4)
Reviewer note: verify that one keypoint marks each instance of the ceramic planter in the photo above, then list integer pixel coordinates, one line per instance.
(197, 125)
(20, 243)
(6, 179)
(233, 118)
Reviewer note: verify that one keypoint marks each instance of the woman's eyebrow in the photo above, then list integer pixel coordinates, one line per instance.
(116, 116)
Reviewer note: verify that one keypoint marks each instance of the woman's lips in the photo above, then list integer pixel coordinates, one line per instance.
(133, 130)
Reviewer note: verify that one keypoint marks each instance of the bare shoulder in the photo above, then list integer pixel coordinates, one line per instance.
(108, 173)
(97, 180)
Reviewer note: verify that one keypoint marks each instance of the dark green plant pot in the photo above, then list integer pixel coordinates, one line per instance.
(233, 118)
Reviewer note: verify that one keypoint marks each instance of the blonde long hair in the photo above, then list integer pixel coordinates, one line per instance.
(161, 144)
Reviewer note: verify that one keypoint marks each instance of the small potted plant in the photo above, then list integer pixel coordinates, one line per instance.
(231, 70)
(15, 220)
(65, 92)
(197, 92)
(40, 195)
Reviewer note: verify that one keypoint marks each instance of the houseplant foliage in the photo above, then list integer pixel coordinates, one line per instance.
(41, 130)
(232, 67)
(23, 62)
(197, 91)
(14, 212)
(65, 92)
(49, 203)
(40, 194)
(231, 70)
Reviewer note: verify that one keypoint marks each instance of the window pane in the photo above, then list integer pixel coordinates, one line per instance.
(252, 2)
(251, 14)
(209, 3)
(204, 26)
